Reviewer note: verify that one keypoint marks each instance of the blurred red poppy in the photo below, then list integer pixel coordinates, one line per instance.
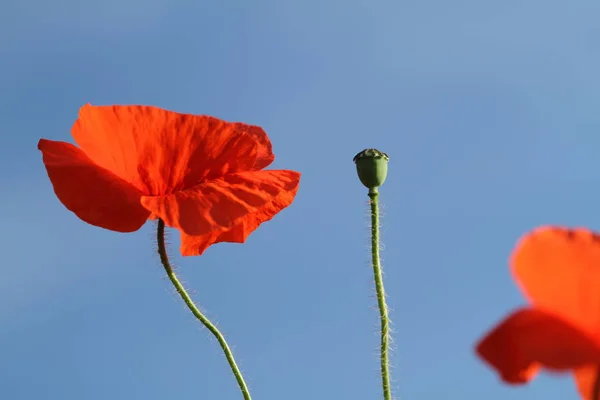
(558, 270)
(201, 175)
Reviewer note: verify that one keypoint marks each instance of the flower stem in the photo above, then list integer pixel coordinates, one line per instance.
(164, 259)
(383, 310)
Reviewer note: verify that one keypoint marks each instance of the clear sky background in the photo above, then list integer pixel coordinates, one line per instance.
(489, 111)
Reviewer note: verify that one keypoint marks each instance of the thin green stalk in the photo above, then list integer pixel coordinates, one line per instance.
(164, 259)
(383, 310)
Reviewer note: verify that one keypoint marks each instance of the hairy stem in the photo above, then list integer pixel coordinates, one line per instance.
(164, 259)
(383, 310)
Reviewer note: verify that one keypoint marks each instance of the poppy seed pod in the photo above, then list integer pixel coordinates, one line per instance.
(371, 166)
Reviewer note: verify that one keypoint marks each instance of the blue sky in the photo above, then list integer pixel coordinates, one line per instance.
(488, 110)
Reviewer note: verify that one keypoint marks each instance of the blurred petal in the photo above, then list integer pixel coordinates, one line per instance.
(161, 151)
(220, 204)
(196, 245)
(585, 378)
(94, 194)
(559, 270)
(531, 338)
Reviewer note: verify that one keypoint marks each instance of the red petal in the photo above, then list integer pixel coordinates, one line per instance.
(559, 270)
(161, 151)
(196, 245)
(531, 338)
(264, 156)
(94, 194)
(585, 378)
(227, 209)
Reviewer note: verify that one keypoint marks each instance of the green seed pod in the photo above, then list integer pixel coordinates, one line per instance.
(371, 166)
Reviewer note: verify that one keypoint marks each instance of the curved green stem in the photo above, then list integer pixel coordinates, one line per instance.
(164, 259)
(383, 310)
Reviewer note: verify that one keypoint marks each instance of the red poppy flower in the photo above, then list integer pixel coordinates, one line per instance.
(558, 271)
(201, 175)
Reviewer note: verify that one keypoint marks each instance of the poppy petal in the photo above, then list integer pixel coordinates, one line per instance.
(585, 378)
(161, 151)
(264, 156)
(94, 194)
(531, 338)
(219, 205)
(558, 269)
(196, 245)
